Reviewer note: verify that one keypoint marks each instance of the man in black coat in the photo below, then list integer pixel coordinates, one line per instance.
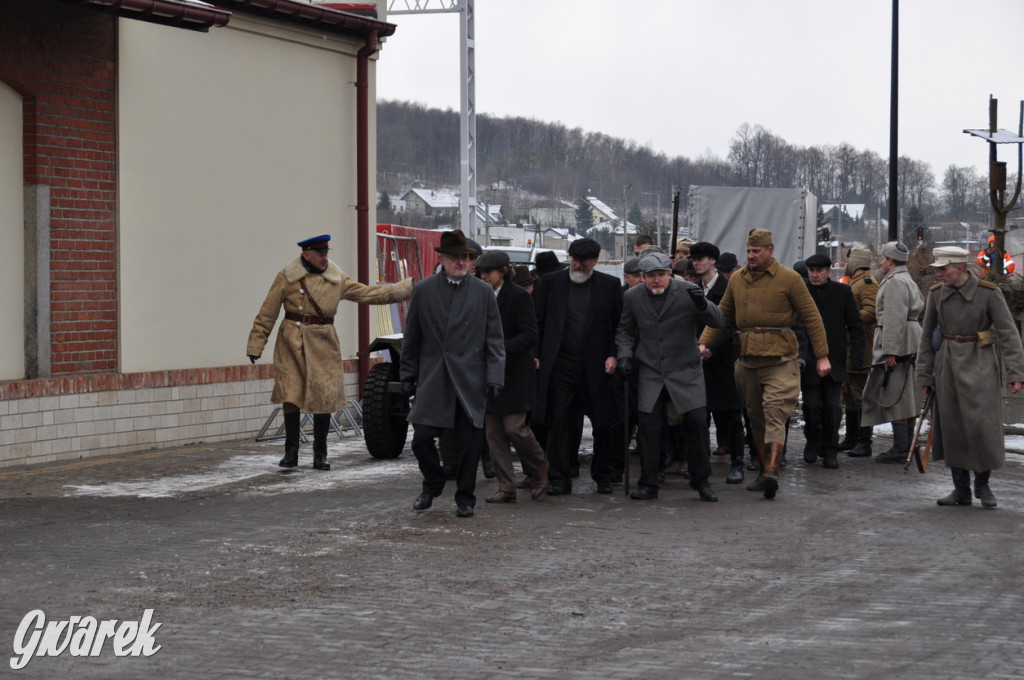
(505, 422)
(843, 328)
(725, 404)
(578, 310)
(453, 360)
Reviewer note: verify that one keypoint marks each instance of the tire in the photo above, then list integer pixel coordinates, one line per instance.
(384, 413)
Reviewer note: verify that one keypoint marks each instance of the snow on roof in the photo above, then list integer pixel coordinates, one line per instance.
(614, 227)
(437, 198)
(602, 207)
(854, 210)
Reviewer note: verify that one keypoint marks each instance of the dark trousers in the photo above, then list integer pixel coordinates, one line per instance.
(467, 442)
(691, 433)
(822, 413)
(568, 394)
(729, 428)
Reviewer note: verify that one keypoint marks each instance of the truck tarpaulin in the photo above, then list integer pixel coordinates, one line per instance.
(724, 216)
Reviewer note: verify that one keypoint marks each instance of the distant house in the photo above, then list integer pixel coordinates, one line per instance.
(555, 213)
(433, 203)
(600, 211)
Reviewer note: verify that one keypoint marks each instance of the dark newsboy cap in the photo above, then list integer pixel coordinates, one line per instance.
(818, 260)
(584, 249)
(492, 259)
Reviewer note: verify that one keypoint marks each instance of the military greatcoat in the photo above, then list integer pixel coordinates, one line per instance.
(898, 308)
(307, 356)
(965, 372)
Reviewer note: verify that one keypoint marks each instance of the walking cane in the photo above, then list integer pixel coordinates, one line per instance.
(625, 435)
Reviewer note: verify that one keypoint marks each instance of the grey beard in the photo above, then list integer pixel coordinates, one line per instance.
(659, 291)
(580, 277)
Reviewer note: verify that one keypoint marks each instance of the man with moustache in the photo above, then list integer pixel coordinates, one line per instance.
(657, 338)
(453, 361)
(577, 311)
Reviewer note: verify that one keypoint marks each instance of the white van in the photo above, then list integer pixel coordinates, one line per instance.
(527, 255)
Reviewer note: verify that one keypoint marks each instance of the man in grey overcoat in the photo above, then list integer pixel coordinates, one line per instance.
(453, 360)
(889, 394)
(660, 319)
(967, 328)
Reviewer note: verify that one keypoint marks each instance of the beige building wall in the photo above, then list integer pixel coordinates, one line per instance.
(12, 237)
(234, 145)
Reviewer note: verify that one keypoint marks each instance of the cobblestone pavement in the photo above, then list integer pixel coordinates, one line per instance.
(258, 573)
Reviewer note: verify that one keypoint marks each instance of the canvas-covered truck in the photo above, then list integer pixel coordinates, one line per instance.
(725, 215)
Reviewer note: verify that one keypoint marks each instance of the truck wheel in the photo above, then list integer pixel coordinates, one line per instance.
(384, 413)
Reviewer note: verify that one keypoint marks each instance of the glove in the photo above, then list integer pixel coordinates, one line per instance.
(493, 392)
(253, 358)
(408, 388)
(624, 367)
(697, 295)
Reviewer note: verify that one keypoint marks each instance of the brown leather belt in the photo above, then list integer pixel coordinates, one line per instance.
(309, 319)
(961, 338)
(765, 329)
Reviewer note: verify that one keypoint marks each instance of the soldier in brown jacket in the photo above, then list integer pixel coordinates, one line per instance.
(857, 443)
(762, 300)
(307, 353)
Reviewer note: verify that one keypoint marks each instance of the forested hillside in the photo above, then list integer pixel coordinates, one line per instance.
(554, 161)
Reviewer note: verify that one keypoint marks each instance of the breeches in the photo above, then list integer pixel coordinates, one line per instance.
(770, 394)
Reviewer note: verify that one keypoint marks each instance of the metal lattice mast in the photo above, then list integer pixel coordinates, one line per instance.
(467, 118)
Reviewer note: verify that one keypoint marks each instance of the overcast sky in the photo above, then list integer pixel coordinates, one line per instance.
(681, 76)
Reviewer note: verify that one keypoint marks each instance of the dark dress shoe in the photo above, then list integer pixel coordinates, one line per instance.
(554, 490)
(488, 469)
(735, 475)
(660, 478)
(605, 488)
(321, 465)
(706, 493)
(501, 497)
(771, 484)
(525, 483)
(644, 493)
(464, 511)
(423, 501)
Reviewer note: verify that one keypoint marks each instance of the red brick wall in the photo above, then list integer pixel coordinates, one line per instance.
(63, 61)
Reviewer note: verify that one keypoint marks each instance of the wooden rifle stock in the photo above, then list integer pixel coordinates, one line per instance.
(921, 454)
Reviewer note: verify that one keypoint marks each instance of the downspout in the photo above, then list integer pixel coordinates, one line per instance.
(363, 194)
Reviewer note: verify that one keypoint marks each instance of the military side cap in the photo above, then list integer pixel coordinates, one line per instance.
(315, 243)
(759, 238)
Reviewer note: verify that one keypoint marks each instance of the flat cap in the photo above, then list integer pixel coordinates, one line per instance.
(492, 259)
(655, 262)
(631, 266)
(818, 260)
(584, 249)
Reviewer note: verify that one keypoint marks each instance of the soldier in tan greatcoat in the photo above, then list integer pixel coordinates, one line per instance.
(307, 355)
(762, 300)
(967, 327)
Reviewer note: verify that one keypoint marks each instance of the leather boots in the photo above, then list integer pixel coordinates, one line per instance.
(321, 425)
(863, 447)
(291, 440)
(961, 488)
(900, 443)
(773, 454)
(981, 490)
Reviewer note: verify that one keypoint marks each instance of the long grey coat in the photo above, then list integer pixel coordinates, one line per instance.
(666, 354)
(453, 348)
(898, 308)
(968, 411)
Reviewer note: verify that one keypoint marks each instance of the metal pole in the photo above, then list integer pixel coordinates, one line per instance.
(894, 122)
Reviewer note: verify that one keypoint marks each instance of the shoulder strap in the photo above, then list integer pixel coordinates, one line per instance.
(309, 296)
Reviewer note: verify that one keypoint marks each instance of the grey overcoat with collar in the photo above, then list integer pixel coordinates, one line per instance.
(453, 348)
(666, 354)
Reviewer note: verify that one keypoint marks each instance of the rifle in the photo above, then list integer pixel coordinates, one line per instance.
(917, 453)
(900, 359)
(675, 222)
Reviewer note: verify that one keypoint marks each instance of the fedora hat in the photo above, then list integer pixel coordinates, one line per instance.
(454, 243)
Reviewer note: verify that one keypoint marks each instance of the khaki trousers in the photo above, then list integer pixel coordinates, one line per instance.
(501, 430)
(771, 394)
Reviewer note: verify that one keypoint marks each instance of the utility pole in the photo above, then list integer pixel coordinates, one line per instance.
(625, 220)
